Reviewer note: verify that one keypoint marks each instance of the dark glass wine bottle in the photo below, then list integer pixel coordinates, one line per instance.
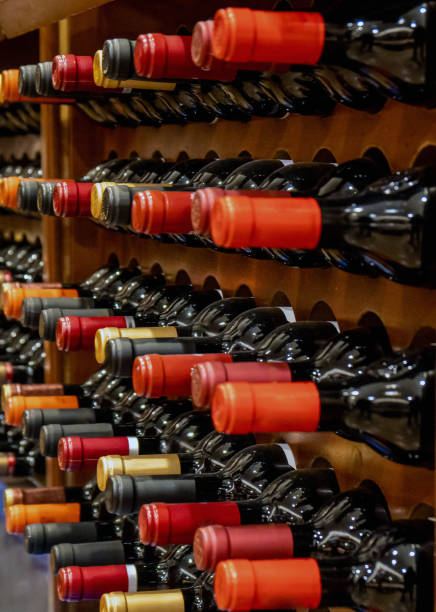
(245, 475)
(404, 551)
(340, 528)
(242, 334)
(291, 498)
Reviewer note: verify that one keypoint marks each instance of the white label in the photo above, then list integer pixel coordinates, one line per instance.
(288, 311)
(132, 577)
(288, 454)
(286, 162)
(133, 446)
(336, 324)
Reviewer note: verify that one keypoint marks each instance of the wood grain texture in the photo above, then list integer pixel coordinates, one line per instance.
(403, 135)
(21, 16)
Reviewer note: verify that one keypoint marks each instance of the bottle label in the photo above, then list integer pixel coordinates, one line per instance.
(288, 311)
(132, 577)
(133, 446)
(288, 454)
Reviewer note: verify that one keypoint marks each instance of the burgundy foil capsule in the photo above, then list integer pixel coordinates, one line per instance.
(76, 73)
(72, 199)
(164, 524)
(76, 453)
(205, 377)
(214, 543)
(78, 333)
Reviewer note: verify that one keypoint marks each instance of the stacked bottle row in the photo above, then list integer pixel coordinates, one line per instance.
(246, 63)
(354, 216)
(174, 340)
(180, 521)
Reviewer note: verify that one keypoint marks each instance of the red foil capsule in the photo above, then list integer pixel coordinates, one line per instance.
(162, 212)
(164, 524)
(76, 73)
(76, 583)
(78, 333)
(76, 453)
(72, 199)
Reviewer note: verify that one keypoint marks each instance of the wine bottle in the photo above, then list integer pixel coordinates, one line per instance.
(338, 223)
(291, 498)
(209, 455)
(340, 528)
(237, 336)
(48, 495)
(83, 390)
(18, 516)
(356, 42)
(116, 298)
(14, 296)
(196, 597)
(246, 474)
(75, 453)
(120, 197)
(394, 418)
(28, 464)
(177, 568)
(15, 406)
(210, 321)
(292, 342)
(290, 178)
(405, 551)
(164, 212)
(39, 538)
(85, 554)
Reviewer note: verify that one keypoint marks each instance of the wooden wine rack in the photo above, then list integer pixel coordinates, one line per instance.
(399, 135)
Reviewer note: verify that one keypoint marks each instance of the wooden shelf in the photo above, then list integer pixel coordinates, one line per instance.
(19, 16)
(73, 248)
(17, 226)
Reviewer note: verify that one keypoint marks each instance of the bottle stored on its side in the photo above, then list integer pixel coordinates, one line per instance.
(177, 568)
(39, 538)
(237, 336)
(292, 498)
(358, 42)
(245, 475)
(210, 321)
(395, 418)
(405, 551)
(209, 455)
(396, 244)
(307, 351)
(19, 515)
(340, 528)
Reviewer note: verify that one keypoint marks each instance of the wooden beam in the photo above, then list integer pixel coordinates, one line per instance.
(20, 16)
